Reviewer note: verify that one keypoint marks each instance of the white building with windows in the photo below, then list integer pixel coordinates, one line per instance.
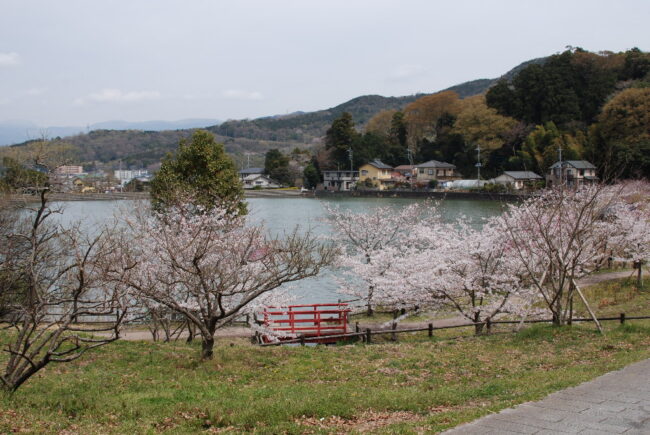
(572, 173)
(517, 179)
(260, 181)
(339, 180)
(126, 175)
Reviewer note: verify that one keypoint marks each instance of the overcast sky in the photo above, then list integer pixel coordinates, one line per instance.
(68, 62)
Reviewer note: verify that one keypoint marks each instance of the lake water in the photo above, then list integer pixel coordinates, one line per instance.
(283, 214)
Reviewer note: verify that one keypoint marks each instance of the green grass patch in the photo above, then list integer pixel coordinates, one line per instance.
(610, 298)
(414, 385)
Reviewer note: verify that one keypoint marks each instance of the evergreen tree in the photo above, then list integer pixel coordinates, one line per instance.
(340, 137)
(199, 172)
(276, 166)
(311, 176)
(398, 129)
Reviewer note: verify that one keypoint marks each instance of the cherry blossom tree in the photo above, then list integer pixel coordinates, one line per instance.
(631, 241)
(211, 267)
(370, 240)
(559, 237)
(459, 267)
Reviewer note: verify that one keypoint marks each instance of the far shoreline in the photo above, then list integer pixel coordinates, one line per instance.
(319, 194)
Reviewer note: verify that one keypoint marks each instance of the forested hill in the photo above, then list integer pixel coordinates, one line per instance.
(143, 148)
(305, 127)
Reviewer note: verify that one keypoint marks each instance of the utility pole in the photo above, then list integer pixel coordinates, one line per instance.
(409, 155)
(559, 152)
(121, 185)
(351, 160)
(478, 164)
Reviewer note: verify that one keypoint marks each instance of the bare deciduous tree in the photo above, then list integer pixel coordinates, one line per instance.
(63, 303)
(58, 300)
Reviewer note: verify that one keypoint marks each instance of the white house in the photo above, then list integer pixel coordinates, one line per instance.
(250, 171)
(259, 180)
(517, 179)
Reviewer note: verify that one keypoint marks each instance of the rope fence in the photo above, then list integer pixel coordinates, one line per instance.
(367, 334)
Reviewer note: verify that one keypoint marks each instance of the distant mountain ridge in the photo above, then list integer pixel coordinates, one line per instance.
(17, 131)
(307, 126)
(141, 144)
(304, 127)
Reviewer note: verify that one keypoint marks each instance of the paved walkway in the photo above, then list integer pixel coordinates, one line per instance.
(615, 403)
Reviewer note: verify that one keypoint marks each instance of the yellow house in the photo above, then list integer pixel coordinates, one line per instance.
(378, 172)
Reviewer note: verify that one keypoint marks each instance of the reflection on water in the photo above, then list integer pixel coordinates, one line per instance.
(283, 214)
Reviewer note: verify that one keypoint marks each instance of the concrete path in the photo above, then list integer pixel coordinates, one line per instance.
(615, 403)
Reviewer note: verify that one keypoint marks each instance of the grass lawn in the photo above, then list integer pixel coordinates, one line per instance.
(415, 385)
(610, 298)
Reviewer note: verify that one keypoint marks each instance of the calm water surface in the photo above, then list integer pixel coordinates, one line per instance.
(283, 214)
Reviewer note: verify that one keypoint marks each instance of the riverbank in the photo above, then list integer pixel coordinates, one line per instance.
(139, 196)
(282, 193)
(416, 194)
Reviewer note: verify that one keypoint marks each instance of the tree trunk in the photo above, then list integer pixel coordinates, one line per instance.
(207, 346)
(558, 318)
(370, 312)
(478, 327)
(190, 331)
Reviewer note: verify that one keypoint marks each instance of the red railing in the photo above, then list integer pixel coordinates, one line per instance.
(313, 320)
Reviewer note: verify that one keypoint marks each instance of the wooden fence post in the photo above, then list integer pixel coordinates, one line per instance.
(622, 318)
(610, 259)
(302, 340)
(430, 330)
(356, 327)
(368, 339)
(393, 336)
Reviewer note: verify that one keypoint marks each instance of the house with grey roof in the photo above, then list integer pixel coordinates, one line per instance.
(518, 179)
(259, 181)
(377, 173)
(250, 171)
(435, 170)
(572, 173)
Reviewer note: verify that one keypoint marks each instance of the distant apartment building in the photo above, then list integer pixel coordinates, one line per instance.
(69, 170)
(126, 175)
